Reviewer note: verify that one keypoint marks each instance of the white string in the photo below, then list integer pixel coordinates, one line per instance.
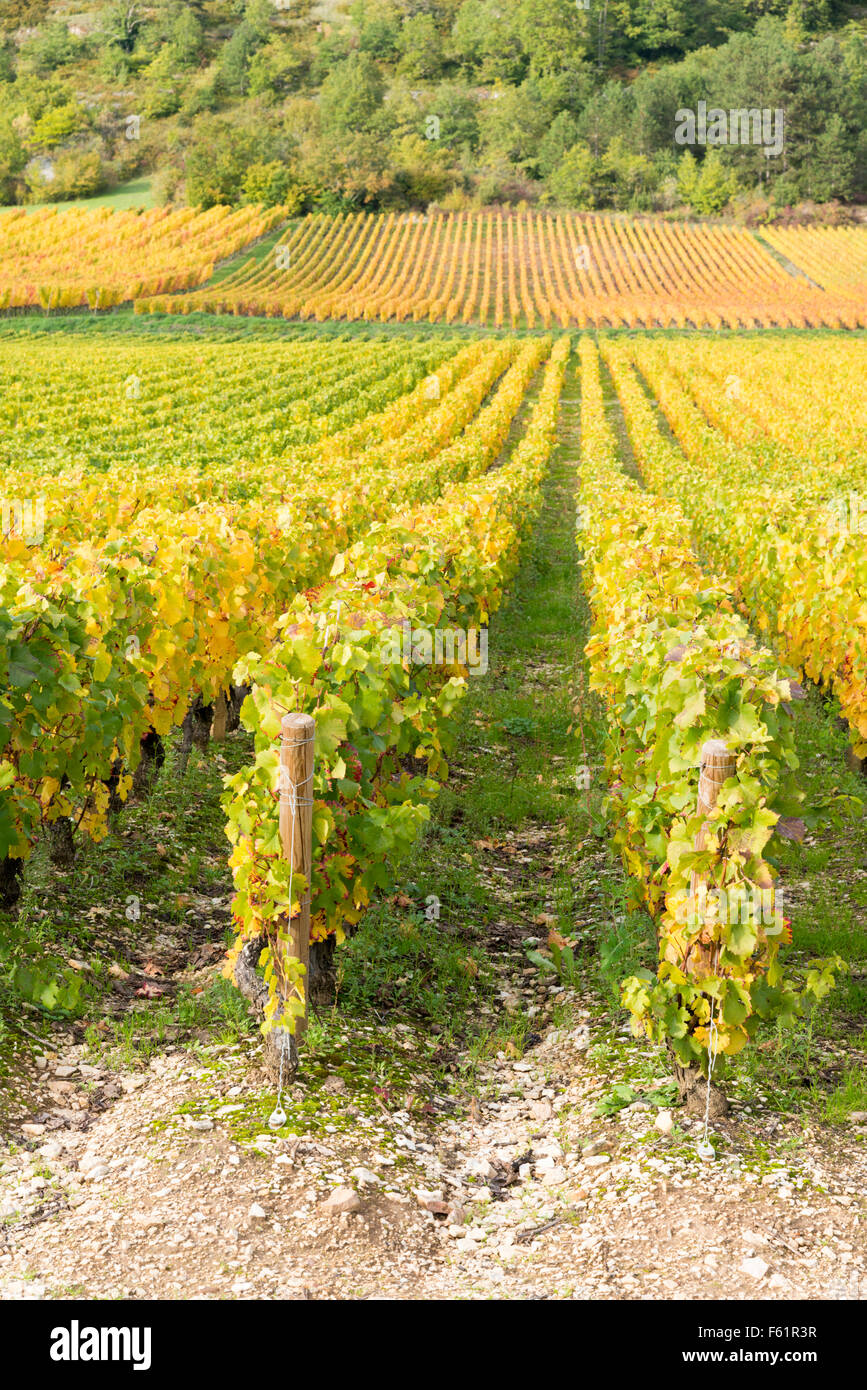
(712, 1048)
(289, 797)
(277, 1118)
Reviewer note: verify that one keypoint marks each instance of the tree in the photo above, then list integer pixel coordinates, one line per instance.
(51, 47)
(58, 124)
(235, 58)
(832, 166)
(277, 68)
(458, 117)
(72, 174)
(12, 159)
(422, 174)
(714, 187)
(552, 33)
(378, 29)
(514, 126)
(353, 168)
(608, 114)
(626, 177)
(687, 177)
(259, 14)
(122, 23)
(351, 95)
(187, 38)
(421, 48)
(571, 183)
(22, 14)
(218, 160)
(562, 135)
(486, 43)
(274, 184)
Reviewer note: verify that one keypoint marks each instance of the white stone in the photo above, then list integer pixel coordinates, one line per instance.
(555, 1177)
(364, 1176)
(342, 1199)
(481, 1168)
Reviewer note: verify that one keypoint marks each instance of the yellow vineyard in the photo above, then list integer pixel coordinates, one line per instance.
(546, 270)
(98, 258)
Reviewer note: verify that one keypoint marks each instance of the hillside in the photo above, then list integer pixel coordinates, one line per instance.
(745, 106)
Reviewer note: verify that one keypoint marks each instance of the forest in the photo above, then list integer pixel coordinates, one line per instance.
(396, 104)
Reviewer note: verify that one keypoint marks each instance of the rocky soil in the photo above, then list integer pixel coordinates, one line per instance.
(167, 1182)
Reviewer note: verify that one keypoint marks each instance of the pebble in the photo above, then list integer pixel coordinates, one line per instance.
(481, 1168)
(664, 1122)
(554, 1177)
(756, 1267)
(32, 1131)
(365, 1177)
(596, 1146)
(257, 1213)
(342, 1199)
(334, 1085)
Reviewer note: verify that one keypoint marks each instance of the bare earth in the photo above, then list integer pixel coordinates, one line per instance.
(498, 1196)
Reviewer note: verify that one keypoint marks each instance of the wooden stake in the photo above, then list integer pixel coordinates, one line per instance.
(221, 713)
(717, 764)
(296, 828)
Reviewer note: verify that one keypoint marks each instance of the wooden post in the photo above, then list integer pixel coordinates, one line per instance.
(717, 764)
(221, 713)
(296, 829)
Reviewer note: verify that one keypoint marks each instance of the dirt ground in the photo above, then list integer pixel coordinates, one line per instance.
(140, 1185)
